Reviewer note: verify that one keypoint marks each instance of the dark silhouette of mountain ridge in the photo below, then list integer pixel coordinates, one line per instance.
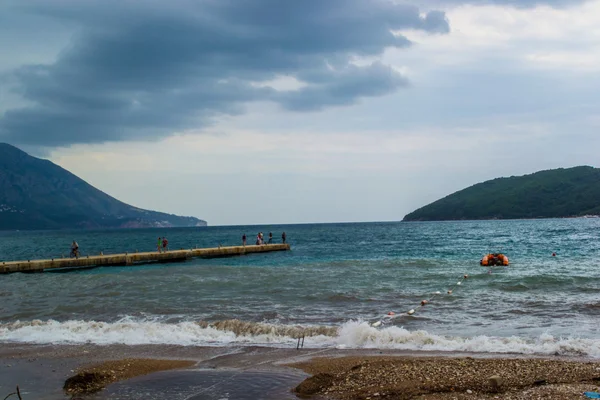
(38, 194)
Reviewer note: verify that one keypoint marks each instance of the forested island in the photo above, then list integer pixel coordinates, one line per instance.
(557, 193)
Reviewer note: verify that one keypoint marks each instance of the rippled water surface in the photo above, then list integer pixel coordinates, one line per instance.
(340, 276)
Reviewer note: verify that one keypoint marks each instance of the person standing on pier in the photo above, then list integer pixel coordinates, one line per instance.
(270, 237)
(158, 244)
(165, 244)
(283, 237)
(74, 249)
(244, 240)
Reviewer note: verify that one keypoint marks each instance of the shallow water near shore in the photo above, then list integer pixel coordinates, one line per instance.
(206, 385)
(337, 279)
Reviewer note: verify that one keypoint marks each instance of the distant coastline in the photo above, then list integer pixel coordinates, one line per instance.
(505, 219)
(559, 193)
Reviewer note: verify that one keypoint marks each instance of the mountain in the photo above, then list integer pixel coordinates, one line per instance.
(37, 194)
(554, 193)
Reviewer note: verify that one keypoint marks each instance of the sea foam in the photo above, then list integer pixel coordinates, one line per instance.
(352, 335)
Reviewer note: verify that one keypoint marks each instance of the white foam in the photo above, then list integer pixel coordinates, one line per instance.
(353, 334)
(361, 335)
(131, 332)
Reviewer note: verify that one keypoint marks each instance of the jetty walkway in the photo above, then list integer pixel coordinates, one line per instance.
(7, 267)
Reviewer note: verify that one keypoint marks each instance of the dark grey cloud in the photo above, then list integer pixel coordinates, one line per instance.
(343, 87)
(143, 69)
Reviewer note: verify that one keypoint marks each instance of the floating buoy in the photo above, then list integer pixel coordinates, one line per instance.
(553, 254)
(391, 315)
(495, 259)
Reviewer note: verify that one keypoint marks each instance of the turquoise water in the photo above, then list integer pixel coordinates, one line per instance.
(343, 276)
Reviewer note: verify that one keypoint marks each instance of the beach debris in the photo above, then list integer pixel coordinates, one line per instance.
(18, 393)
(300, 344)
(495, 382)
(592, 395)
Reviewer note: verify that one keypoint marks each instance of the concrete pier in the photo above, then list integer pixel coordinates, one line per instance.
(135, 258)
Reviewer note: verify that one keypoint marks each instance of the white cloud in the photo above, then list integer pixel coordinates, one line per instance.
(566, 38)
(282, 83)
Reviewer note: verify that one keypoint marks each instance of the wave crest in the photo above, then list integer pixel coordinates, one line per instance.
(351, 335)
(242, 328)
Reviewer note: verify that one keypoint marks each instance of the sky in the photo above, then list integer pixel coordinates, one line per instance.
(300, 111)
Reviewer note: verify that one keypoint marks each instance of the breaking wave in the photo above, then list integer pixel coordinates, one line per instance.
(352, 334)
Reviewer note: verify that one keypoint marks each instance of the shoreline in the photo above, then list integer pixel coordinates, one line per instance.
(385, 377)
(43, 369)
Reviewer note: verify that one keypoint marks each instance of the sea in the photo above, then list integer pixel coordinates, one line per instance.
(334, 285)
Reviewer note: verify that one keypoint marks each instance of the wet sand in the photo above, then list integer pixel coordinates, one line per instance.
(93, 378)
(266, 373)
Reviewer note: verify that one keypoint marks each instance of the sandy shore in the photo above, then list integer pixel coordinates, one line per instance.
(41, 372)
(353, 378)
(93, 378)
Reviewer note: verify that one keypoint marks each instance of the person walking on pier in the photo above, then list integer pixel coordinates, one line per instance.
(244, 240)
(283, 237)
(158, 244)
(165, 244)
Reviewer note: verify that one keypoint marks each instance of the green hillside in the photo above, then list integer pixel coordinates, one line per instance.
(554, 193)
(37, 194)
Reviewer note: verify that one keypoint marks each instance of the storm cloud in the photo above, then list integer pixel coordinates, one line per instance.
(145, 69)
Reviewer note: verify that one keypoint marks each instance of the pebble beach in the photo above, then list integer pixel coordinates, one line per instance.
(400, 378)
